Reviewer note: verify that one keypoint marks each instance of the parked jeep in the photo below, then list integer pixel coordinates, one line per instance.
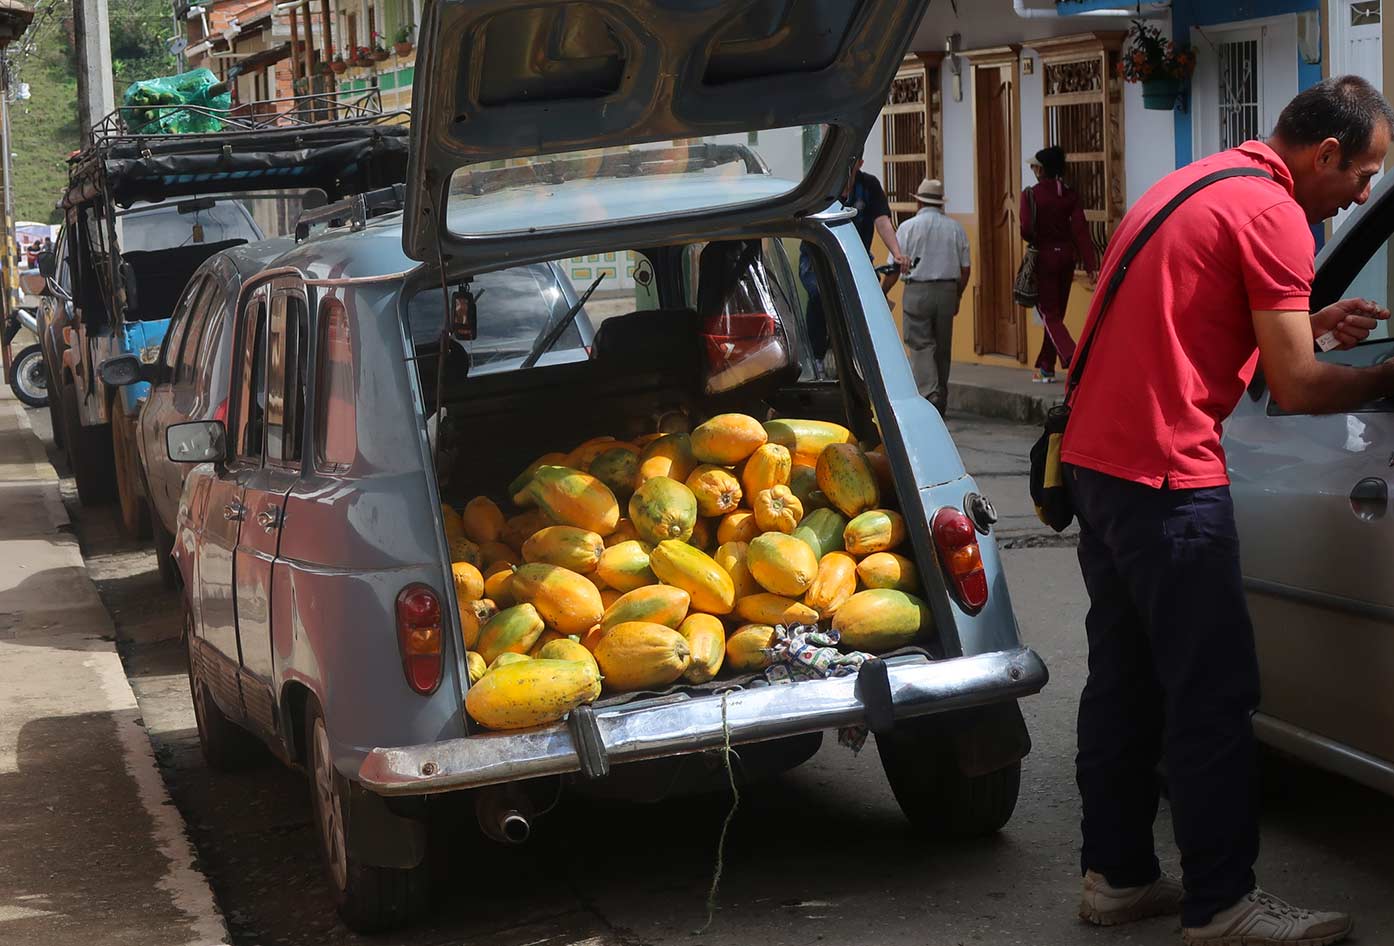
(393, 367)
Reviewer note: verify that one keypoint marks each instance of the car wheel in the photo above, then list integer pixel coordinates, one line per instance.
(135, 511)
(369, 899)
(89, 455)
(226, 746)
(932, 790)
(28, 377)
(164, 552)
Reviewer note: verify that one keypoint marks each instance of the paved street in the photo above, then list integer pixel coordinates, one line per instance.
(821, 855)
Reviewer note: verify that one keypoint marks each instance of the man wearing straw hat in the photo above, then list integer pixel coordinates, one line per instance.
(933, 287)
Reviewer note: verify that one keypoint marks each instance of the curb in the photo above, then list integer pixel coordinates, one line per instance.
(987, 401)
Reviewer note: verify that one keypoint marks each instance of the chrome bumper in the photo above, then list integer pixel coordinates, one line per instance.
(684, 723)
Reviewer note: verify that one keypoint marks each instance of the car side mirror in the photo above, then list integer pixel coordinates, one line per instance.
(199, 441)
(127, 369)
(47, 262)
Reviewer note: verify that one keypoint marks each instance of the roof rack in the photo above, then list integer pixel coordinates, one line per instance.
(353, 212)
(316, 108)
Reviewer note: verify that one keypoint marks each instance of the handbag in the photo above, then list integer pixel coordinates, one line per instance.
(1024, 291)
(1049, 491)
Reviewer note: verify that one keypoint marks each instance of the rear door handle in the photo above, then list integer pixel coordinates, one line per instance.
(1369, 500)
(234, 511)
(270, 519)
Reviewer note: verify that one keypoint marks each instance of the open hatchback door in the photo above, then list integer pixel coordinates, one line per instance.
(626, 110)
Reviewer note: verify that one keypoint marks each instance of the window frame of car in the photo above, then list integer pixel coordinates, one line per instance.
(248, 337)
(194, 318)
(173, 340)
(290, 304)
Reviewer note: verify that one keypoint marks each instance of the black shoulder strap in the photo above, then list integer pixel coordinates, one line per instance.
(1121, 270)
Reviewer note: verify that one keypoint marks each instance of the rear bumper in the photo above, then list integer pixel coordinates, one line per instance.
(682, 723)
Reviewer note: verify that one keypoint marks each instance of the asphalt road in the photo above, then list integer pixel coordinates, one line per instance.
(819, 855)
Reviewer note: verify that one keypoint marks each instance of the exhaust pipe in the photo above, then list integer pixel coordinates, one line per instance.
(504, 814)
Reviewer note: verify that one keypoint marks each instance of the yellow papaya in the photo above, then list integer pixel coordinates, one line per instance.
(492, 553)
(567, 602)
(624, 532)
(738, 526)
(475, 666)
(473, 616)
(463, 550)
(513, 629)
(766, 468)
(576, 549)
(617, 468)
(656, 604)
(835, 583)
(547, 637)
(747, 649)
(498, 585)
(806, 439)
(567, 648)
(821, 530)
(469, 583)
(781, 564)
(483, 520)
(881, 619)
(670, 456)
(777, 510)
(703, 534)
(706, 640)
(506, 658)
(716, 489)
(592, 637)
(663, 508)
(451, 522)
(731, 557)
(638, 655)
(881, 468)
(765, 608)
(889, 570)
(846, 479)
(727, 439)
(520, 527)
(608, 596)
(626, 566)
(876, 530)
(582, 456)
(531, 693)
(694, 571)
(518, 488)
(572, 498)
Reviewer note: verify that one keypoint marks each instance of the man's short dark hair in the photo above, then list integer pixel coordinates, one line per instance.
(1346, 108)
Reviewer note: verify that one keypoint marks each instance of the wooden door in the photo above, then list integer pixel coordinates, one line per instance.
(1001, 326)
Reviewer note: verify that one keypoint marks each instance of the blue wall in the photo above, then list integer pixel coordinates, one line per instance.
(1188, 13)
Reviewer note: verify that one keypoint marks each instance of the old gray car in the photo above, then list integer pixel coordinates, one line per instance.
(405, 359)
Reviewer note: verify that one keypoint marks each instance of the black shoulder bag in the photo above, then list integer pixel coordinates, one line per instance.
(1049, 492)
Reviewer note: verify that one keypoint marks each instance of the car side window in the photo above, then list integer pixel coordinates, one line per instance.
(196, 318)
(337, 426)
(212, 336)
(287, 352)
(251, 389)
(178, 326)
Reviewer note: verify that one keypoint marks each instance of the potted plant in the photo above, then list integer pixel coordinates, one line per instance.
(402, 42)
(380, 52)
(1156, 62)
(337, 64)
(362, 57)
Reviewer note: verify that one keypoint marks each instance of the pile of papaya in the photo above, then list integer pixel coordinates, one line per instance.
(631, 566)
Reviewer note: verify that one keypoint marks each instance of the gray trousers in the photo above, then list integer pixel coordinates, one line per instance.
(928, 329)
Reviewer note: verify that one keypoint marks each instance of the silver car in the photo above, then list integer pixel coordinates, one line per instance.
(409, 358)
(1311, 496)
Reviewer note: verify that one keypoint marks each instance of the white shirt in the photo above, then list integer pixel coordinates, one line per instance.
(938, 241)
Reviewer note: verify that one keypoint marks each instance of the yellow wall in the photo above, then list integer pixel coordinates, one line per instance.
(1080, 298)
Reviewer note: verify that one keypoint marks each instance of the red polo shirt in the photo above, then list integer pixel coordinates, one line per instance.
(1178, 345)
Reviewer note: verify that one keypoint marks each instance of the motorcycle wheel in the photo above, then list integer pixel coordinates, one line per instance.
(29, 378)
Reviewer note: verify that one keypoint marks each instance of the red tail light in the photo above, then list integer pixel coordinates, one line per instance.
(220, 412)
(960, 557)
(419, 637)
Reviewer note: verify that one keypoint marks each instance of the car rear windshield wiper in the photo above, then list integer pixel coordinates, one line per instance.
(551, 332)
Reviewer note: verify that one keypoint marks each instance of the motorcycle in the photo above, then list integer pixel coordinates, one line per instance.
(28, 376)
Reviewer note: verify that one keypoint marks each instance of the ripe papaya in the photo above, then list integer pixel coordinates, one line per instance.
(518, 488)
(821, 530)
(881, 468)
(565, 600)
(513, 629)
(806, 439)
(777, 510)
(531, 693)
(782, 564)
(520, 527)
(483, 520)
(663, 508)
(876, 530)
(727, 439)
(475, 666)
(765, 608)
(608, 596)
(463, 550)
(669, 455)
(576, 549)
(731, 557)
(638, 655)
(626, 566)
(506, 658)
(717, 490)
(547, 637)
(881, 619)
(836, 582)
(583, 455)
(803, 482)
(846, 479)
(704, 534)
(766, 468)
(473, 616)
(617, 468)
(469, 583)
(889, 570)
(656, 604)
(694, 571)
(624, 532)
(498, 585)
(567, 648)
(572, 498)
(706, 640)
(451, 522)
(492, 553)
(738, 526)
(747, 649)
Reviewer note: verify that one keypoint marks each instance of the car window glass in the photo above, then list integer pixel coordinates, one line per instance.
(211, 344)
(286, 354)
(195, 318)
(165, 227)
(178, 325)
(251, 392)
(1374, 281)
(338, 423)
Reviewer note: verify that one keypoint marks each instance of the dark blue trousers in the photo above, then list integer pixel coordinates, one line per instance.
(1172, 675)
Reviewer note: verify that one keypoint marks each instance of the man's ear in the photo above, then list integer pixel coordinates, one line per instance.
(1328, 154)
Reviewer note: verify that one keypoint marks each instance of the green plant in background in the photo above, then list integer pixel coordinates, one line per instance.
(1150, 56)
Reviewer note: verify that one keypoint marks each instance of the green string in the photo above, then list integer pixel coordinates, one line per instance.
(726, 753)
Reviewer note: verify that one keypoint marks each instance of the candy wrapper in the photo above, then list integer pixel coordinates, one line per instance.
(808, 652)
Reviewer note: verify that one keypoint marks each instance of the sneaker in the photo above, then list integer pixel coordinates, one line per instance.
(1105, 905)
(1261, 919)
(1042, 378)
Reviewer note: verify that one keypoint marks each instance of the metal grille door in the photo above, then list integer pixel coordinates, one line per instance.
(1241, 92)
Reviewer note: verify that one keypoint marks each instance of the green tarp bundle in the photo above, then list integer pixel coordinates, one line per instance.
(156, 106)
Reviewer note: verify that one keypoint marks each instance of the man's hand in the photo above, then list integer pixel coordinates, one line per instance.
(904, 262)
(1350, 321)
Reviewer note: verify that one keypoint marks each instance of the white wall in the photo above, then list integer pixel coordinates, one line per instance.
(1032, 115)
(958, 143)
(1149, 143)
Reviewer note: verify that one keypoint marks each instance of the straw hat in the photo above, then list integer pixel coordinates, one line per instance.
(930, 192)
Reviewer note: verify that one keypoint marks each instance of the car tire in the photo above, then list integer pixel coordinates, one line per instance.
(29, 378)
(135, 511)
(932, 790)
(226, 746)
(89, 455)
(164, 553)
(369, 899)
(55, 411)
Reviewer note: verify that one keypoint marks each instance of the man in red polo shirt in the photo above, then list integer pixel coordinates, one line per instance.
(1172, 667)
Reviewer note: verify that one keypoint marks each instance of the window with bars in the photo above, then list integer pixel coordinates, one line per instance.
(1240, 92)
(911, 148)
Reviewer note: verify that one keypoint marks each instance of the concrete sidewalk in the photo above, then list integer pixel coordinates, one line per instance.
(1004, 392)
(94, 850)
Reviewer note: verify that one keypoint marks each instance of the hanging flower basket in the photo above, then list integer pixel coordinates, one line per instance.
(403, 47)
(338, 66)
(1158, 64)
(1160, 94)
